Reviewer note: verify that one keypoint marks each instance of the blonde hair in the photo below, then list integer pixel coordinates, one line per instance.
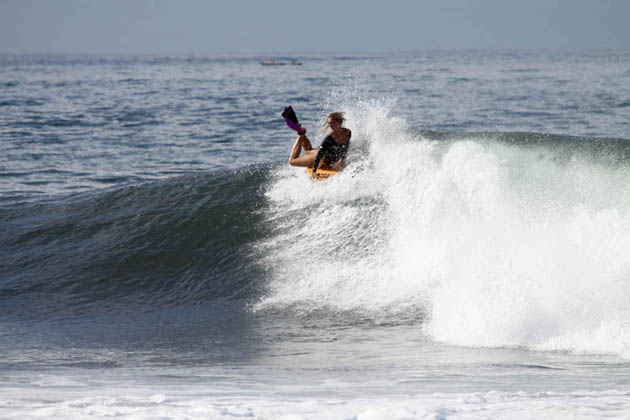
(338, 116)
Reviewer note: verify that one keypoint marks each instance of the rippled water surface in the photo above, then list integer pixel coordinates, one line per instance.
(73, 123)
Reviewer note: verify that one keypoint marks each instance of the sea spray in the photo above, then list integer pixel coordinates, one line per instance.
(487, 242)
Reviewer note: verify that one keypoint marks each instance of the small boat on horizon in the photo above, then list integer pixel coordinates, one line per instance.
(281, 61)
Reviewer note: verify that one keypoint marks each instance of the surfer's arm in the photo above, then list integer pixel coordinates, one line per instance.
(323, 149)
(320, 153)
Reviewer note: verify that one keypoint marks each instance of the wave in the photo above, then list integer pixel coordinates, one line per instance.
(481, 239)
(489, 239)
(183, 240)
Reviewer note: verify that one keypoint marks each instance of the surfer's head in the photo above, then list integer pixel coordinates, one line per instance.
(336, 117)
(334, 120)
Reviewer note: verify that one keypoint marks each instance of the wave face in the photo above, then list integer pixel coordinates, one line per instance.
(180, 241)
(486, 239)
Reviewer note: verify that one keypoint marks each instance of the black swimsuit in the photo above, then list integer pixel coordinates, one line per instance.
(331, 151)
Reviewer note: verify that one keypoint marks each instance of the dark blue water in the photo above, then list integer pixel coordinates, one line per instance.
(158, 257)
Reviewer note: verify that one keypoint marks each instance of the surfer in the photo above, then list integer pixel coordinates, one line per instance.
(333, 150)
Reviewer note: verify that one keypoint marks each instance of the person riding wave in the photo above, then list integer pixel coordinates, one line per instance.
(331, 154)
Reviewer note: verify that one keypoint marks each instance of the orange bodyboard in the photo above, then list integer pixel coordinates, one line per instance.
(321, 174)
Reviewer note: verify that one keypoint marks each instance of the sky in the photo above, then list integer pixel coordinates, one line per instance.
(299, 26)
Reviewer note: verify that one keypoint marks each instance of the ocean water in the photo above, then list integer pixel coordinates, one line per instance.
(160, 259)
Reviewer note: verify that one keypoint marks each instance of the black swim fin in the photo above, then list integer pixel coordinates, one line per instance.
(291, 119)
(289, 114)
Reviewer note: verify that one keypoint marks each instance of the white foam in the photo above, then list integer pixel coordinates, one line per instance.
(493, 404)
(501, 245)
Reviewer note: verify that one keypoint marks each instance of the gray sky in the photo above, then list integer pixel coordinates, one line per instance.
(283, 26)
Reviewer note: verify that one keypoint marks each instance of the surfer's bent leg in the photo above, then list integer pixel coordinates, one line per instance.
(308, 158)
(306, 143)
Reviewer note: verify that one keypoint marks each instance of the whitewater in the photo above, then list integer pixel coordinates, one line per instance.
(470, 262)
(492, 242)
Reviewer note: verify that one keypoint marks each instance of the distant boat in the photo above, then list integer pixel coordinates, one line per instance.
(281, 61)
